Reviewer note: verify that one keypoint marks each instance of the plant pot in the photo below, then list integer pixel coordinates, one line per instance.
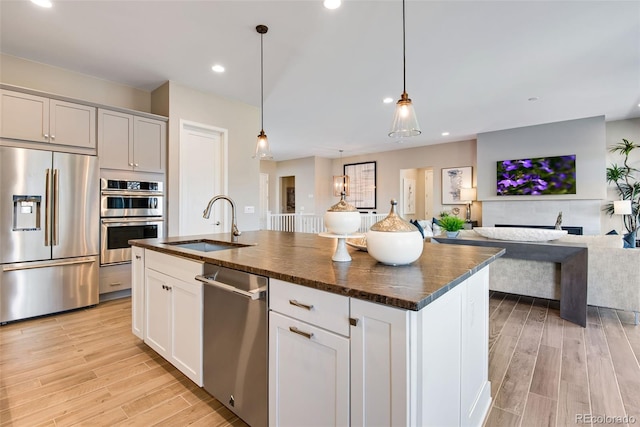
(452, 234)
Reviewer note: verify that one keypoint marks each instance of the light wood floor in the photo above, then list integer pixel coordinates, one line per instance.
(86, 368)
(545, 371)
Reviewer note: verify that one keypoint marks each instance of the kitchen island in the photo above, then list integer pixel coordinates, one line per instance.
(382, 345)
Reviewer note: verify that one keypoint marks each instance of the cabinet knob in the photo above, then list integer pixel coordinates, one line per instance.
(130, 164)
(353, 322)
(53, 137)
(46, 135)
(136, 164)
(138, 257)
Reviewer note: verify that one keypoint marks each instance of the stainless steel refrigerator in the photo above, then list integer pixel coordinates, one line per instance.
(49, 238)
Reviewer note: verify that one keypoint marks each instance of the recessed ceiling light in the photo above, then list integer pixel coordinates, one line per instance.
(387, 100)
(218, 68)
(445, 133)
(533, 98)
(42, 3)
(332, 4)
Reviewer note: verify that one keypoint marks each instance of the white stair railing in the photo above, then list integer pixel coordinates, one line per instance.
(312, 223)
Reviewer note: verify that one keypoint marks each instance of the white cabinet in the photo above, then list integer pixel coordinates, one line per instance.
(379, 365)
(137, 291)
(173, 311)
(131, 142)
(158, 320)
(427, 367)
(308, 365)
(475, 387)
(39, 119)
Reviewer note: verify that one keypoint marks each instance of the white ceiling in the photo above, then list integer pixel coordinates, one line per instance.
(471, 65)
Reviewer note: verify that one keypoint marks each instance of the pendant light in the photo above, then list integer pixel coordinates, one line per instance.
(405, 122)
(263, 152)
(340, 182)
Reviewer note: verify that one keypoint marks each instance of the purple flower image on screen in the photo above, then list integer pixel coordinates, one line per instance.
(537, 176)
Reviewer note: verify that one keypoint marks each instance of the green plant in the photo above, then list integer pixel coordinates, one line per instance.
(452, 223)
(626, 182)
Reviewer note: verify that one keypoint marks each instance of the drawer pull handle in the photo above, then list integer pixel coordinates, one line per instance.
(301, 305)
(295, 330)
(115, 284)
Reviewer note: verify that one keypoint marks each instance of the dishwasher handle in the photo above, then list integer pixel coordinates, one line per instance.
(256, 294)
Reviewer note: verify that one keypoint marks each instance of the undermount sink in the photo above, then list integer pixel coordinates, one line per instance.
(207, 245)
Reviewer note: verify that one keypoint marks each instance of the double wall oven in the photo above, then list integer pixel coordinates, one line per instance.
(128, 210)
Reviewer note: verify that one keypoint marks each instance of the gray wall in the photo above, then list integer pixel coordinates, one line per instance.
(46, 78)
(242, 122)
(584, 137)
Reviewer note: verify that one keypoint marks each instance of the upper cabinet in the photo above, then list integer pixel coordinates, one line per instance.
(35, 118)
(131, 142)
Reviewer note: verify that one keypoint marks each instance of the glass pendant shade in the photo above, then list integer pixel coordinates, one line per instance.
(405, 122)
(263, 151)
(340, 184)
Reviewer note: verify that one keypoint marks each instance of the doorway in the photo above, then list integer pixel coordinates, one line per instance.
(203, 174)
(288, 194)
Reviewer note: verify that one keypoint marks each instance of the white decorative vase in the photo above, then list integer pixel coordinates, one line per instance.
(394, 241)
(452, 234)
(342, 218)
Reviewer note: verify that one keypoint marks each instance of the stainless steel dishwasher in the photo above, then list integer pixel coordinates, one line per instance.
(235, 346)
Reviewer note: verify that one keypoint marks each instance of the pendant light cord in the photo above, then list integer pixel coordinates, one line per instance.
(404, 55)
(262, 83)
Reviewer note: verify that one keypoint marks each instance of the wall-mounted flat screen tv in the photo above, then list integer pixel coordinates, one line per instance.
(537, 176)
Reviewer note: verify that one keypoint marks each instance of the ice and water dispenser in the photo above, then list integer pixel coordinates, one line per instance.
(26, 213)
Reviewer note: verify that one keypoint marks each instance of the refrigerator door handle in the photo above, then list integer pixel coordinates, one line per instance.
(31, 265)
(47, 208)
(56, 206)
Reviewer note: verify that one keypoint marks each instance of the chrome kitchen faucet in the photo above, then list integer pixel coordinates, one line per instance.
(234, 226)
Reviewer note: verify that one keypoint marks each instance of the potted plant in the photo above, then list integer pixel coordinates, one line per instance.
(452, 225)
(626, 179)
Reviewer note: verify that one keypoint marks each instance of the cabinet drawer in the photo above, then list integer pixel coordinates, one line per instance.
(320, 308)
(115, 278)
(174, 266)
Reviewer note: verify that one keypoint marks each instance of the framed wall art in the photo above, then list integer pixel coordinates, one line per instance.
(408, 196)
(453, 179)
(362, 184)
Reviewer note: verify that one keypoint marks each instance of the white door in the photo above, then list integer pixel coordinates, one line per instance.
(203, 174)
(428, 194)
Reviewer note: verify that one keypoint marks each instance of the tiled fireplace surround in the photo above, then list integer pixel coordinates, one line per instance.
(585, 213)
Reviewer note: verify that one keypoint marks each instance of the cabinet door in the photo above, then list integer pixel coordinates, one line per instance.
(186, 330)
(379, 365)
(137, 291)
(72, 124)
(158, 320)
(115, 140)
(308, 375)
(24, 116)
(149, 144)
(475, 388)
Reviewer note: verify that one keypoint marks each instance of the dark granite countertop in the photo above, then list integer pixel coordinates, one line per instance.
(305, 259)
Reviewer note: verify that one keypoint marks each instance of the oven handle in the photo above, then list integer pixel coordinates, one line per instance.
(131, 193)
(130, 220)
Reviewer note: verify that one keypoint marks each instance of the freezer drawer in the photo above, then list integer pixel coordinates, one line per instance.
(32, 289)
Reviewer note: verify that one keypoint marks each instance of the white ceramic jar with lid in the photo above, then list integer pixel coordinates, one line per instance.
(342, 218)
(393, 240)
